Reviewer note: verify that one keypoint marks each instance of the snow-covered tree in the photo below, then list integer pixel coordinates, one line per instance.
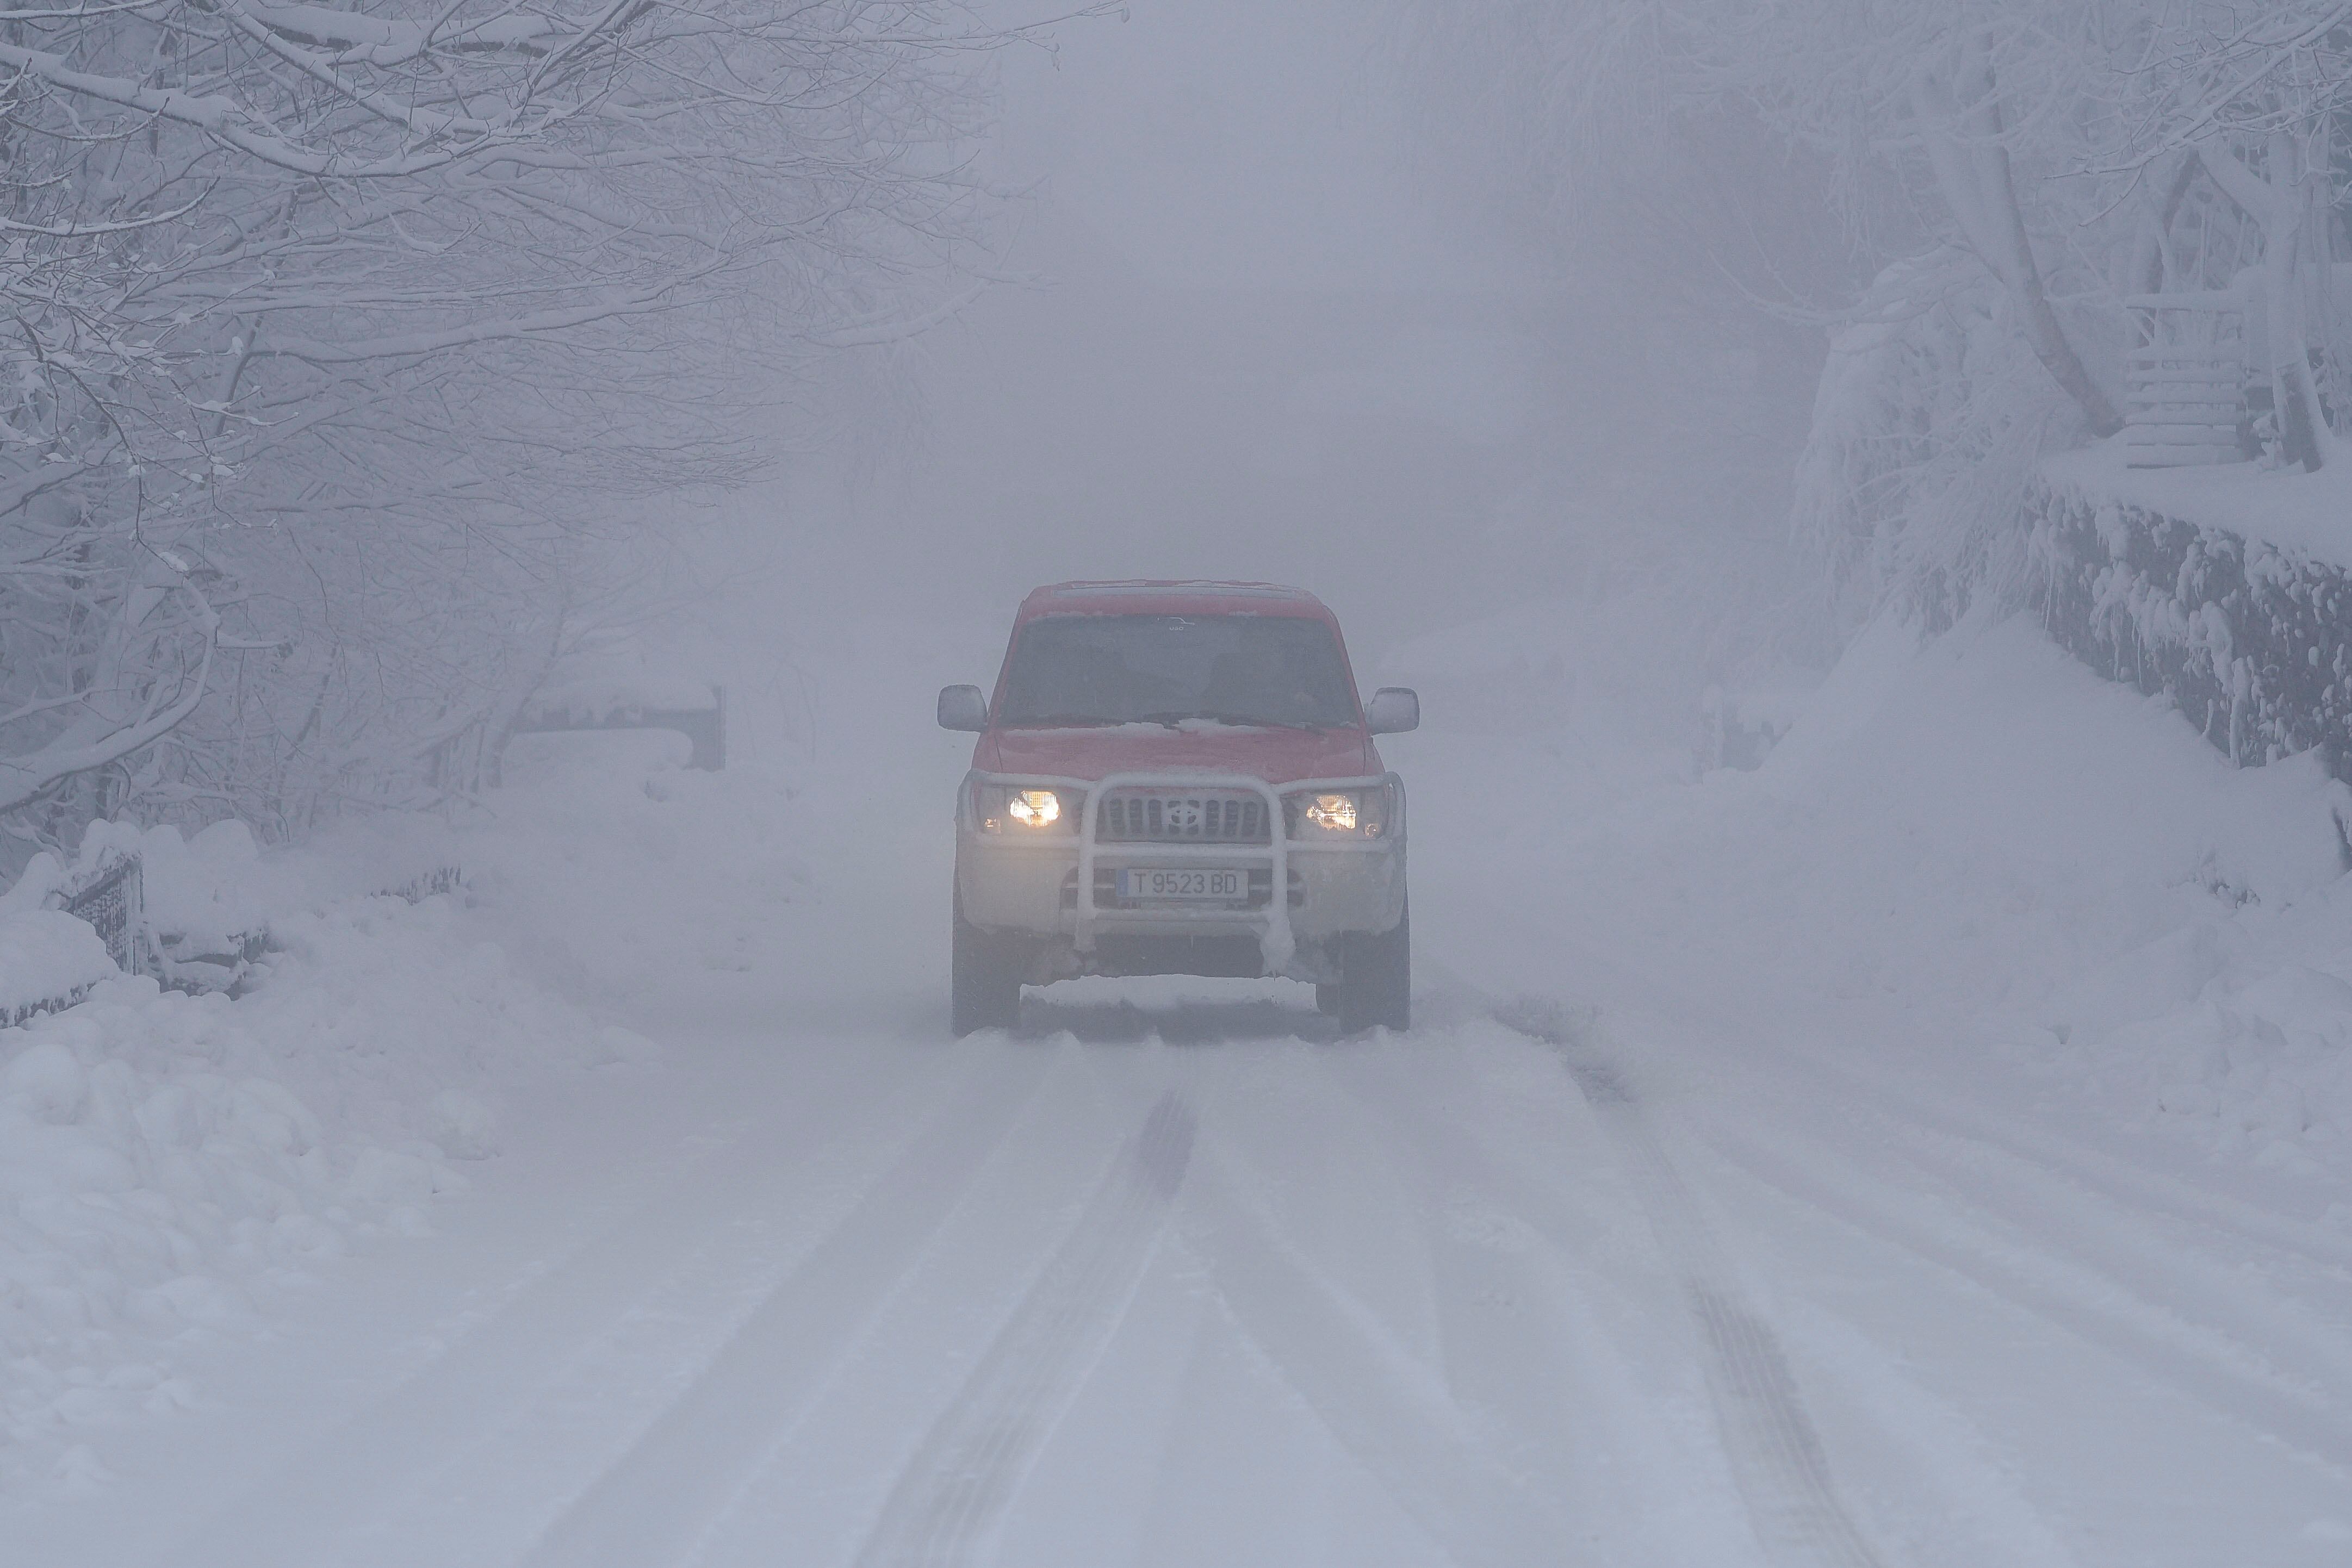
(340, 341)
(2009, 174)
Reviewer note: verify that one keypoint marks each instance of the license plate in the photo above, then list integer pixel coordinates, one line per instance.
(1225, 885)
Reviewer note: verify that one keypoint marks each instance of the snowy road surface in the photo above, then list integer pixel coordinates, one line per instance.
(1613, 1260)
(1251, 1295)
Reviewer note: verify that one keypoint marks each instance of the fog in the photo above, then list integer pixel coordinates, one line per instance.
(1251, 328)
(1667, 885)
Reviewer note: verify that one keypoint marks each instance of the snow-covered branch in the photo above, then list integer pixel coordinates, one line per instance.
(378, 317)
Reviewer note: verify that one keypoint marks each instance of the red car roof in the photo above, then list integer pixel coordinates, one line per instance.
(1141, 597)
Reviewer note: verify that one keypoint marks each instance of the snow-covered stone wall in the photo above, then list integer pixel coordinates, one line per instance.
(2251, 638)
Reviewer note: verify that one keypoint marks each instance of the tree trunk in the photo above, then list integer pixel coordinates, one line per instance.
(2151, 262)
(2275, 201)
(1971, 167)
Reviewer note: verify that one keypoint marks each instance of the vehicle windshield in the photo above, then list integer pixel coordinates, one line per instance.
(1278, 670)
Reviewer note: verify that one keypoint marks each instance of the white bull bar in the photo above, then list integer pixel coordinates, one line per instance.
(1276, 944)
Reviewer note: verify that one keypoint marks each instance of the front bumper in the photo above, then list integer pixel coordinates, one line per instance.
(1059, 890)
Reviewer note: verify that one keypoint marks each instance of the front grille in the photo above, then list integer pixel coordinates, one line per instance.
(1182, 817)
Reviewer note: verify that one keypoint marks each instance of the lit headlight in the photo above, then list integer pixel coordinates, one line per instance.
(1337, 814)
(1332, 813)
(1033, 807)
(999, 809)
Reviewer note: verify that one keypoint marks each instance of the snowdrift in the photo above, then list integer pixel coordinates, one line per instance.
(172, 1164)
(1973, 858)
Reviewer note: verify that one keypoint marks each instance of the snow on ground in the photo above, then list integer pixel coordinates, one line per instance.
(46, 956)
(2002, 1028)
(177, 1168)
(1925, 1150)
(1976, 846)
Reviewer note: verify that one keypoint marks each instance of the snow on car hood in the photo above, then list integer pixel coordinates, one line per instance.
(1276, 756)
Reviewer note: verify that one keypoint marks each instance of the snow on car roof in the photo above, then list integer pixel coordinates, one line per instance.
(1197, 597)
(1177, 585)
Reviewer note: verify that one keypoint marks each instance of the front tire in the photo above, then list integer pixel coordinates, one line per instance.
(983, 979)
(1376, 977)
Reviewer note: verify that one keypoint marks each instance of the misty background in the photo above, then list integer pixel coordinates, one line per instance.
(1670, 345)
(1259, 318)
(490, 492)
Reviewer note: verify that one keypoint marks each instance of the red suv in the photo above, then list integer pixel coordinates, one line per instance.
(1177, 779)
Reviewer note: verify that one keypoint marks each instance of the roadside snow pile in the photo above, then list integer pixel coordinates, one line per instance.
(2239, 1030)
(46, 955)
(170, 1164)
(2010, 838)
(208, 893)
(1962, 855)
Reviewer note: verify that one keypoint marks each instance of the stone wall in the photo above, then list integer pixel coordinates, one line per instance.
(2254, 644)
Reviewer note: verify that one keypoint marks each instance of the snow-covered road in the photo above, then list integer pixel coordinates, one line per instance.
(1247, 1294)
(1619, 1258)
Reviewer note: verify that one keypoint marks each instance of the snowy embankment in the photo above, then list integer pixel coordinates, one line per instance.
(171, 1167)
(1974, 857)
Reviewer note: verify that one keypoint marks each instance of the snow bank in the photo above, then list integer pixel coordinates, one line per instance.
(219, 886)
(2242, 1037)
(171, 1165)
(47, 956)
(1984, 827)
(1974, 855)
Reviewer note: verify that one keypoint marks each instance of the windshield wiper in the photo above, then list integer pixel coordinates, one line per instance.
(1059, 721)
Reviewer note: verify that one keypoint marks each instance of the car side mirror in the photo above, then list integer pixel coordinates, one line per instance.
(1393, 711)
(962, 707)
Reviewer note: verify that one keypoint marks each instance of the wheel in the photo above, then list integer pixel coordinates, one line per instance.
(1326, 998)
(983, 979)
(1376, 977)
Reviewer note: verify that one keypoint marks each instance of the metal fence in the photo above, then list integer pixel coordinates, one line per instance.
(112, 904)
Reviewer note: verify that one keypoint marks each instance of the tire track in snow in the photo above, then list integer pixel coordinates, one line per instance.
(2103, 1237)
(2132, 1187)
(1391, 1412)
(974, 1456)
(352, 1498)
(2284, 1404)
(650, 1506)
(1776, 1455)
(1566, 1394)
(2112, 1251)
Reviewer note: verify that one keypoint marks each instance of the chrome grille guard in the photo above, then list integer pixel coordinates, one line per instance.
(1274, 939)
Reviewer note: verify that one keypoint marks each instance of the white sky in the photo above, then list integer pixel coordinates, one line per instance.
(1255, 349)
(1232, 144)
